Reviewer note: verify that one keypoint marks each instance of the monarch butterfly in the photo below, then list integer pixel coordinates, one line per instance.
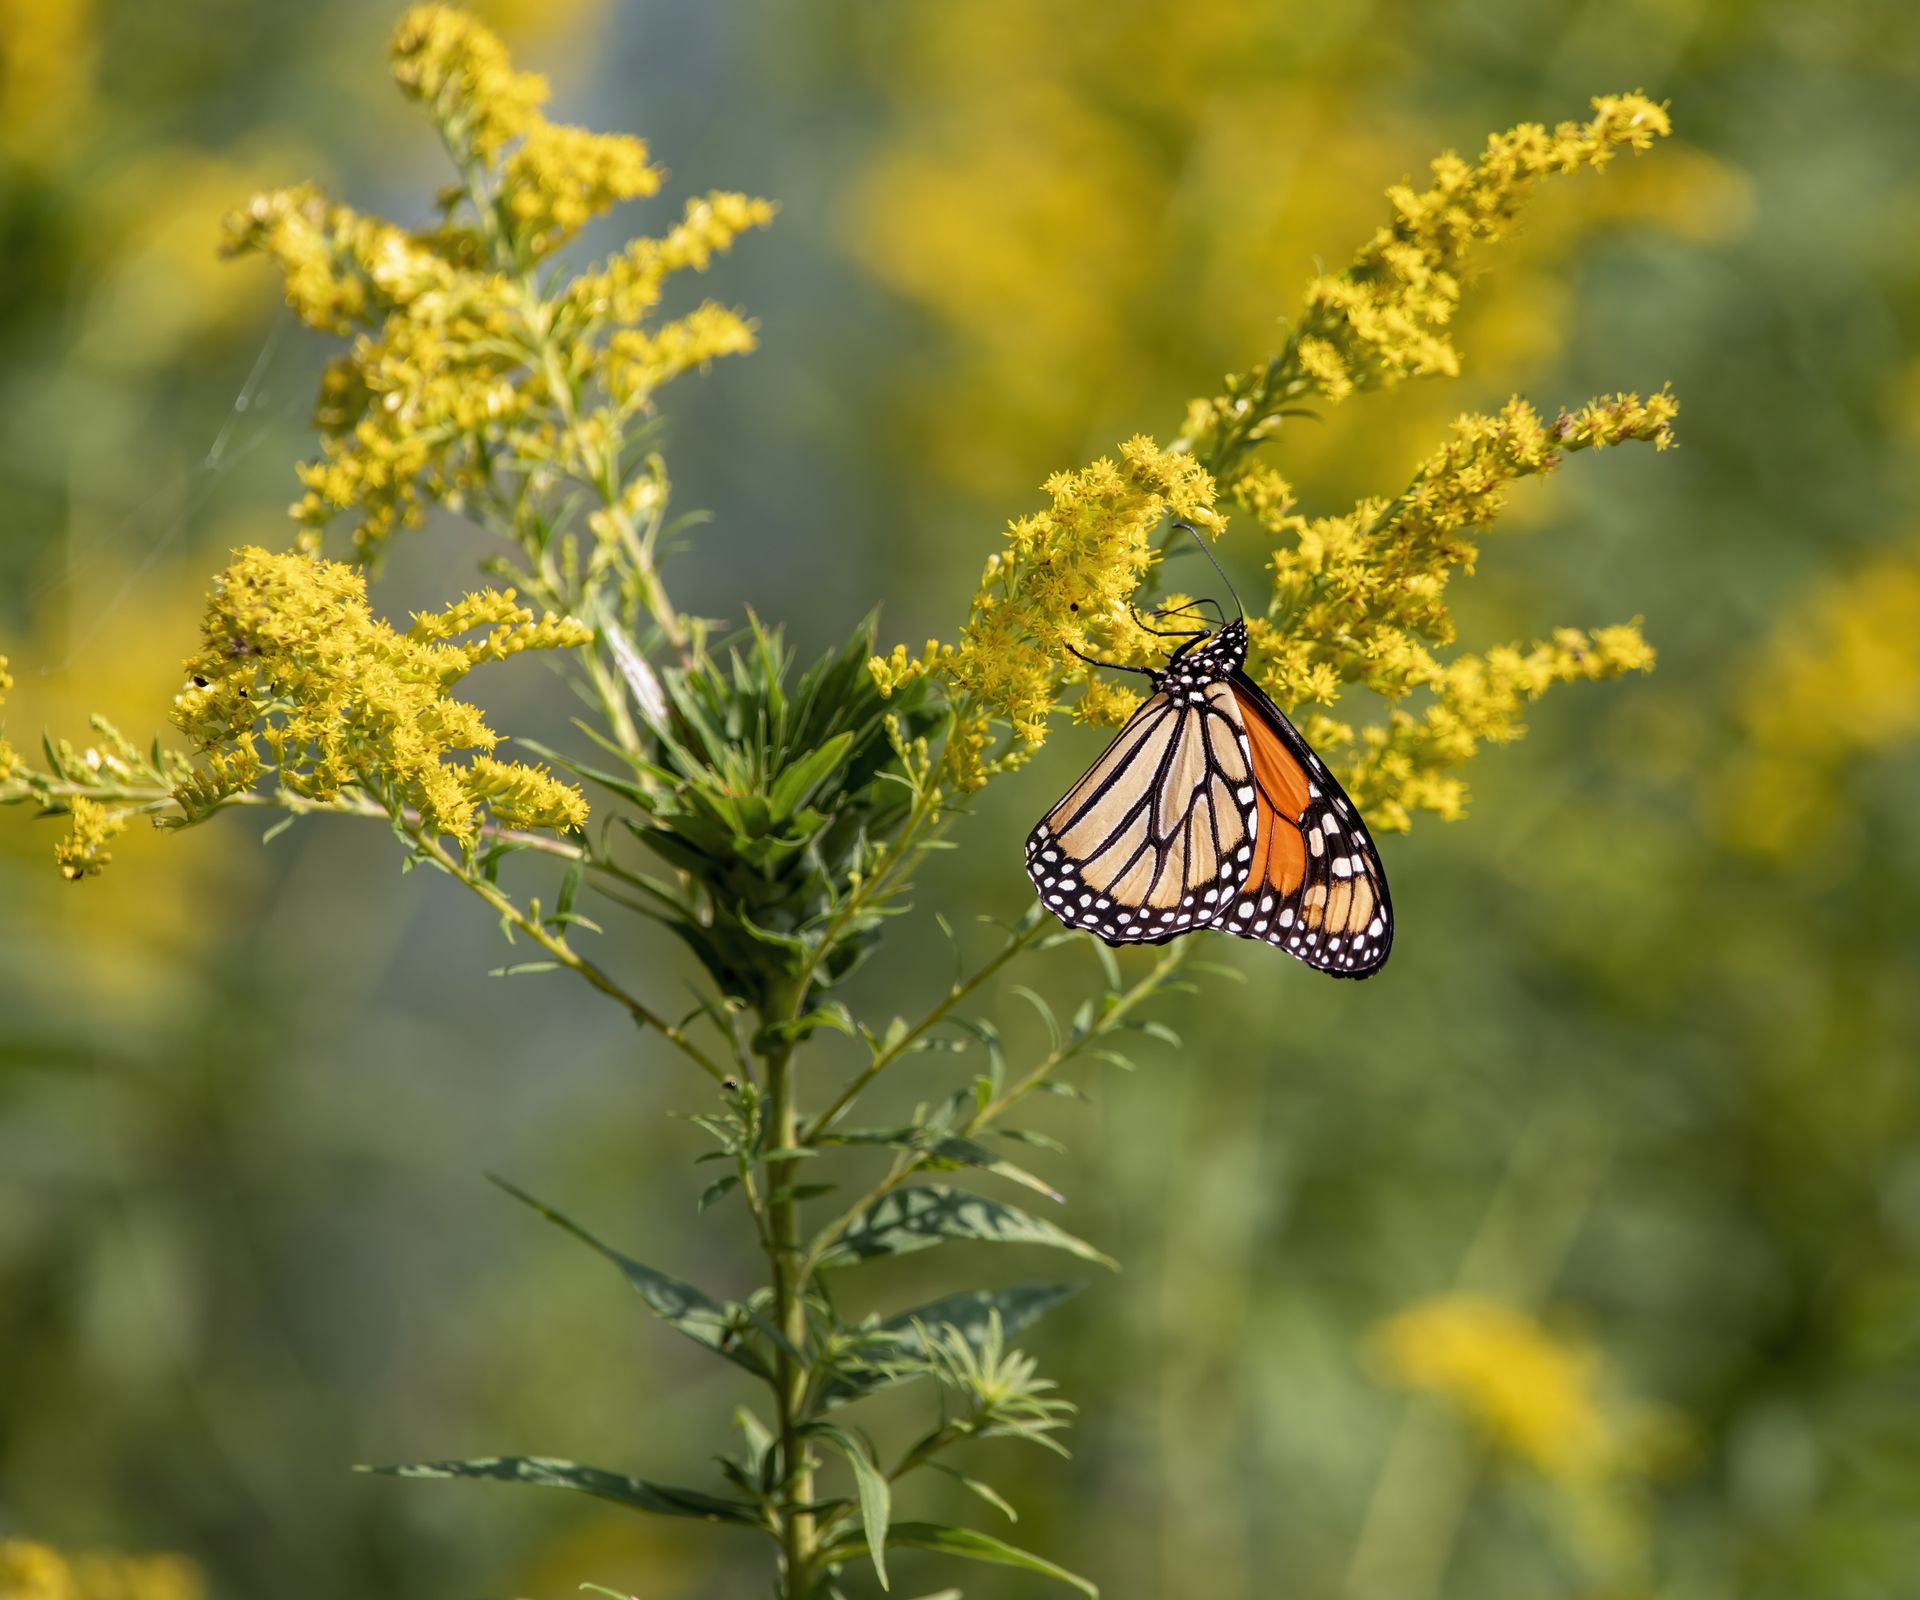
(1210, 811)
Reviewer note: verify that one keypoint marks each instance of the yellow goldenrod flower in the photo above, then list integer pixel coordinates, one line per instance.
(525, 796)
(294, 660)
(461, 368)
(1385, 317)
(561, 178)
(83, 852)
(638, 363)
(1064, 580)
(1535, 1395)
(1362, 599)
(460, 71)
(1359, 598)
(31, 1571)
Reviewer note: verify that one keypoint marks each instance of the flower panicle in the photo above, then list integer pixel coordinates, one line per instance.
(524, 796)
(457, 68)
(1387, 316)
(1062, 583)
(293, 660)
(1359, 598)
(92, 826)
(462, 364)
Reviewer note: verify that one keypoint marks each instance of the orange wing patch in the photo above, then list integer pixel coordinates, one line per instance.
(1314, 886)
(1282, 778)
(1279, 851)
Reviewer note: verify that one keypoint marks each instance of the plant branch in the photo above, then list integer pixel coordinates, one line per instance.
(1024, 940)
(908, 1164)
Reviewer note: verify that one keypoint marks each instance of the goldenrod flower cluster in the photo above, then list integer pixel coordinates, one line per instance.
(1536, 1396)
(1362, 599)
(83, 852)
(1386, 316)
(1062, 583)
(31, 1571)
(294, 663)
(1358, 598)
(462, 367)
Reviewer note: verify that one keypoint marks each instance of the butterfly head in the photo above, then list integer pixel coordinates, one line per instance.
(1211, 657)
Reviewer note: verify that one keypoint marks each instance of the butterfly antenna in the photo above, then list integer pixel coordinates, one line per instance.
(1118, 666)
(1208, 553)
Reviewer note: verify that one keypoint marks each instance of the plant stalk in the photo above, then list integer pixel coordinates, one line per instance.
(799, 1541)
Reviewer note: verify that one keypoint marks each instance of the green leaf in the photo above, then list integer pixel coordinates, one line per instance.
(969, 1314)
(985, 1491)
(928, 1214)
(970, 1544)
(546, 1472)
(876, 1494)
(958, 1152)
(569, 889)
(696, 1314)
(796, 785)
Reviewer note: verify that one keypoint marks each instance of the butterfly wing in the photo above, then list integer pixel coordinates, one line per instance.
(1315, 887)
(1159, 834)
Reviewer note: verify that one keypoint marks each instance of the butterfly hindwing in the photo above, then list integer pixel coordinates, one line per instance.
(1159, 834)
(1315, 887)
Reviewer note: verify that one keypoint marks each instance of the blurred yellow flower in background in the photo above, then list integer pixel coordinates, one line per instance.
(1541, 1401)
(1535, 1395)
(47, 56)
(39, 1572)
(1839, 680)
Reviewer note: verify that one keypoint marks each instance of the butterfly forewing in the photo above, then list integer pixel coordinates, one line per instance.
(1158, 835)
(1315, 887)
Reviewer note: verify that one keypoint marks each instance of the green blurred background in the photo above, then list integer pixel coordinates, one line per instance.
(1645, 1058)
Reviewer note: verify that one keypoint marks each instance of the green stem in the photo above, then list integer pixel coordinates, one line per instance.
(798, 1534)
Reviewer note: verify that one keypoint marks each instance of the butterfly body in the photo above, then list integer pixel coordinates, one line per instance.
(1210, 811)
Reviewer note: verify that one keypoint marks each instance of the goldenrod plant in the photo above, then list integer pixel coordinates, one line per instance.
(775, 819)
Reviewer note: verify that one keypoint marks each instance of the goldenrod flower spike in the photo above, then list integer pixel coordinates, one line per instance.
(1064, 579)
(295, 661)
(83, 852)
(465, 363)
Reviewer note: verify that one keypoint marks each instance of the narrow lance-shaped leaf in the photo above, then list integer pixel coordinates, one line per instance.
(876, 1494)
(972, 1545)
(916, 1218)
(696, 1314)
(547, 1472)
